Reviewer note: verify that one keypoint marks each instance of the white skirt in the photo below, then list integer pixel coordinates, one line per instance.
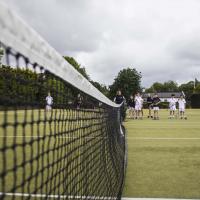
(181, 109)
(138, 107)
(172, 108)
(156, 108)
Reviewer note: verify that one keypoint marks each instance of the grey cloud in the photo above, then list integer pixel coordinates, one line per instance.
(159, 38)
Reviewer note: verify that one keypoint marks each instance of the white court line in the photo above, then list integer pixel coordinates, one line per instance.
(54, 196)
(79, 197)
(159, 138)
(53, 136)
(129, 138)
(125, 198)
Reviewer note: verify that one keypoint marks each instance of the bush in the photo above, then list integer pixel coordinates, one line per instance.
(195, 101)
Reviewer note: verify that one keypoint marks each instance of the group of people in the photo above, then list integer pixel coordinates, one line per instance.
(135, 106)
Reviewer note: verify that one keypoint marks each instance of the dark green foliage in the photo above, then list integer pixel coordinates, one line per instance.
(1, 53)
(102, 88)
(23, 87)
(195, 101)
(187, 88)
(77, 66)
(128, 81)
(169, 86)
(18, 86)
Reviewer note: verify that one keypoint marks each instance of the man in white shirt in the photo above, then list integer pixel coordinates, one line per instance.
(172, 106)
(138, 106)
(49, 102)
(181, 107)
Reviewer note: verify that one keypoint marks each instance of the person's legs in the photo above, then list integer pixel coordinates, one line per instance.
(129, 112)
(136, 114)
(170, 113)
(181, 114)
(157, 115)
(154, 114)
(149, 116)
(142, 113)
(133, 113)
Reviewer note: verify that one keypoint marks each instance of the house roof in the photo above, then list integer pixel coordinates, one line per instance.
(164, 94)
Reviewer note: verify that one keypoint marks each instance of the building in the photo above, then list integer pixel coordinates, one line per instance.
(164, 96)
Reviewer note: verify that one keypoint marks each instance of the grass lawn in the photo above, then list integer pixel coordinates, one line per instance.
(164, 157)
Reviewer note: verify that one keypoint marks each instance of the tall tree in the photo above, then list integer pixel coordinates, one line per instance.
(77, 66)
(169, 86)
(197, 89)
(187, 88)
(128, 81)
(102, 88)
(1, 53)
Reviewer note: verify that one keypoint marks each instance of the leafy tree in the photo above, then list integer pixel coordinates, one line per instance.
(128, 81)
(169, 86)
(196, 86)
(187, 88)
(197, 89)
(77, 66)
(102, 88)
(157, 87)
(1, 53)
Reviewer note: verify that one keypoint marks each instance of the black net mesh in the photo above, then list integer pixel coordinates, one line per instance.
(55, 141)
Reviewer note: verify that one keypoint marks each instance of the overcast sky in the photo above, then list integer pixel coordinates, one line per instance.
(160, 38)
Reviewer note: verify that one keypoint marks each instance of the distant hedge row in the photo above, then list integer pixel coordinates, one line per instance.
(23, 87)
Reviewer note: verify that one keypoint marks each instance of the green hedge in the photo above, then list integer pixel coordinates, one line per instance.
(195, 101)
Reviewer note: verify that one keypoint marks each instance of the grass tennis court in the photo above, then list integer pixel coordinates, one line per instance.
(164, 157)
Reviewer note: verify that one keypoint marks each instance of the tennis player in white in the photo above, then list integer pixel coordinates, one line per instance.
(181, 107)
(138, 106)
(172, 106)
(49, 102)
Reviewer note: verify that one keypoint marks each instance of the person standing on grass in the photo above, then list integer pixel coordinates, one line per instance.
(120, 99)
(181, 107)
(49, 102)
(172, 106)
(131, 107)
(149, 104)
(138, 106)
(155, 104)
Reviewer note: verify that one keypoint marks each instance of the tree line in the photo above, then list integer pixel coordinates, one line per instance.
(23, 85)
(188, 88)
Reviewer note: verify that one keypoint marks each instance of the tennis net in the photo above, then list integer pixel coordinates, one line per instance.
(60, 138)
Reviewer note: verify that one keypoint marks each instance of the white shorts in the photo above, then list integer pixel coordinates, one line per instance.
(156, 108)
(138, 107)
(172, 108)
(48, 107)
(181, 109)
